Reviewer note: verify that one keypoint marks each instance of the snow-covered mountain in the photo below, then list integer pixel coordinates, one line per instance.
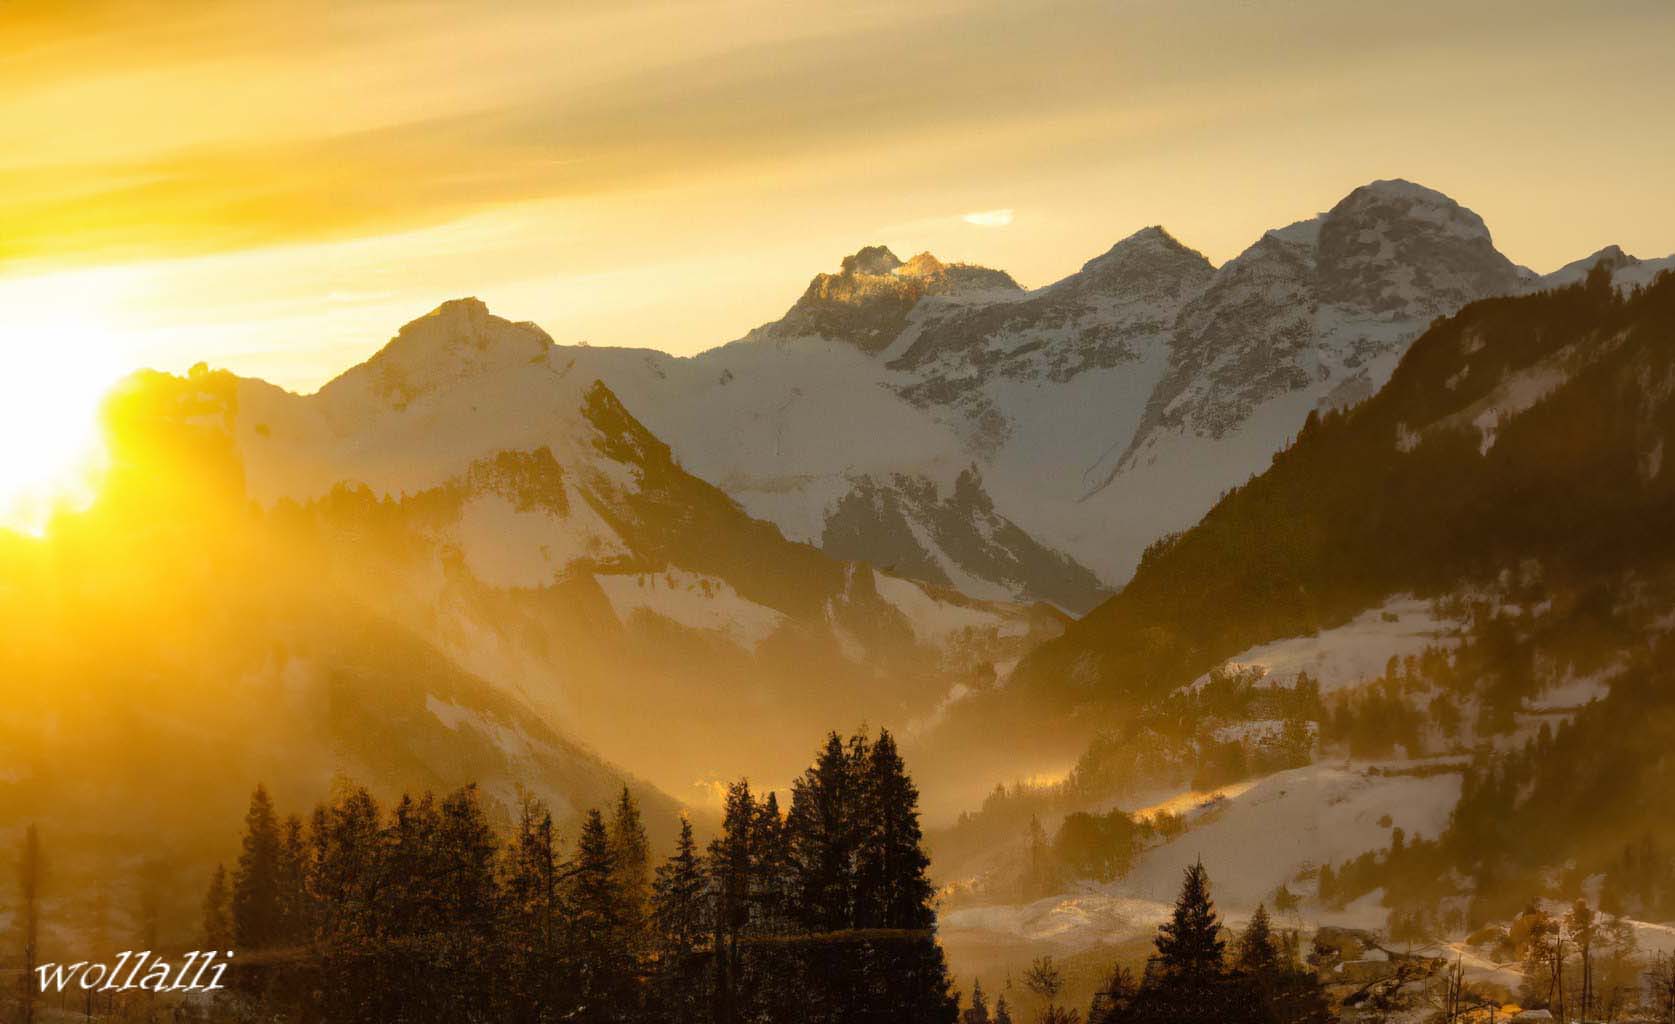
(481, 486)
(1028, 445)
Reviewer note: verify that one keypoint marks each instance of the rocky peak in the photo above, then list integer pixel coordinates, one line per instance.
(1612, 256)
(1401, 251)
(874, 259)
(868, 301)
(454, 342)
(1146, 264)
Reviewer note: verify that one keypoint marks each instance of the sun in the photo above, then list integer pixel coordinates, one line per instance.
(54, 375)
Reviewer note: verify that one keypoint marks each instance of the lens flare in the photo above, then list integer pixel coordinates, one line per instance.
(54, 376)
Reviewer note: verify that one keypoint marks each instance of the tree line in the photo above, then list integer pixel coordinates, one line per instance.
(1191, 978)
(422, 912)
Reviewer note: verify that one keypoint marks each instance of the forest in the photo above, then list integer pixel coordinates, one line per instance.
(424, 911)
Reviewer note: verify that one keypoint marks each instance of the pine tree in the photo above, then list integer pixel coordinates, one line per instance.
(731, 864)
(1257, 954)
(772, 882)
(218, 925)
(534, 915)
(466, 946)
(680, 914)
(630, 857)
(822, 826)
(894, 890)
(1189, 944)
(345, 863)
(296, 920)
(1003, 1015)
(678, 896)
(597, 926)
(257, 907)
(978, 1011)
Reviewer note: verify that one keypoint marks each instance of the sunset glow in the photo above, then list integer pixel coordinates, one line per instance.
(58, 371)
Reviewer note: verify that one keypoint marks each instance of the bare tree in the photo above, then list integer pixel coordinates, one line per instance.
(1660, 984)
(1450, 998)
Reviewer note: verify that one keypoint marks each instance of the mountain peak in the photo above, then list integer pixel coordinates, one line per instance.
(868, 301)
(1612, 256)
(456, 341)
(872, 259)
(1404, 251)
(1148, 244)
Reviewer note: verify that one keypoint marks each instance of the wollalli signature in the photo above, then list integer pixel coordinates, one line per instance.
(161, 976)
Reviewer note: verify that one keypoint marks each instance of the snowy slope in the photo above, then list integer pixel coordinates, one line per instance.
(1355, 652)
(1093, 415)
(939, 419)
(479, 484)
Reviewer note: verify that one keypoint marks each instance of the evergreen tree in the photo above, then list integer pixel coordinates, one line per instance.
(1257, 953)
(534, 917)
(1003, 1015)
(679, 911)
(822, 826)
(604, 975)
(894, 890)
(465, 943)
(345, 871)
(678, 896)
(218, 924)
(1189, 943)
(1289, 993)
(772, 892)
(630, 858)
(345, 862)
(978, 1011)
(258, 916)
(731, 864)
(1187, 982)
(296, 919)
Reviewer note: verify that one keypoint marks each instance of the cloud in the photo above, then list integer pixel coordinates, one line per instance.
(989, 218)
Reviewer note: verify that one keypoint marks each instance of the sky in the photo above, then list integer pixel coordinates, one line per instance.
(276, 188)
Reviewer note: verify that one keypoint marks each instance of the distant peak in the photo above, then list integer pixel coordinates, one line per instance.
(1612, 256)
(469, 306)
(1396, 199)
(1402, 188)
(874, 259)
(1149, 239)
(456, 341)
(922, 265)
(1150, 250)
(1403, 251)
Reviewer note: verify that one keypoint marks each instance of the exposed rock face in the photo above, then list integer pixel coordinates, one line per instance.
(1313, 307)
(1095, 414)
(914, 528)
(867, 302)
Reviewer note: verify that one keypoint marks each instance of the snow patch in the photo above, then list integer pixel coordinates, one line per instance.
(692, 600)
(1352, 653)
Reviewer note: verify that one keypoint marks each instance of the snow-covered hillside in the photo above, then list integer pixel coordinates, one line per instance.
(481, 486)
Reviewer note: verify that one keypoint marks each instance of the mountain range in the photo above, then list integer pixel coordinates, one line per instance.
(871, 509)
(1027, 445)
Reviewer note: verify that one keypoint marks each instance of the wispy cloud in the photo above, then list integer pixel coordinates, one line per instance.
(989, 218)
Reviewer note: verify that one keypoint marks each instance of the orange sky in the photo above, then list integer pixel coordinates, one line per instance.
(277, 187)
